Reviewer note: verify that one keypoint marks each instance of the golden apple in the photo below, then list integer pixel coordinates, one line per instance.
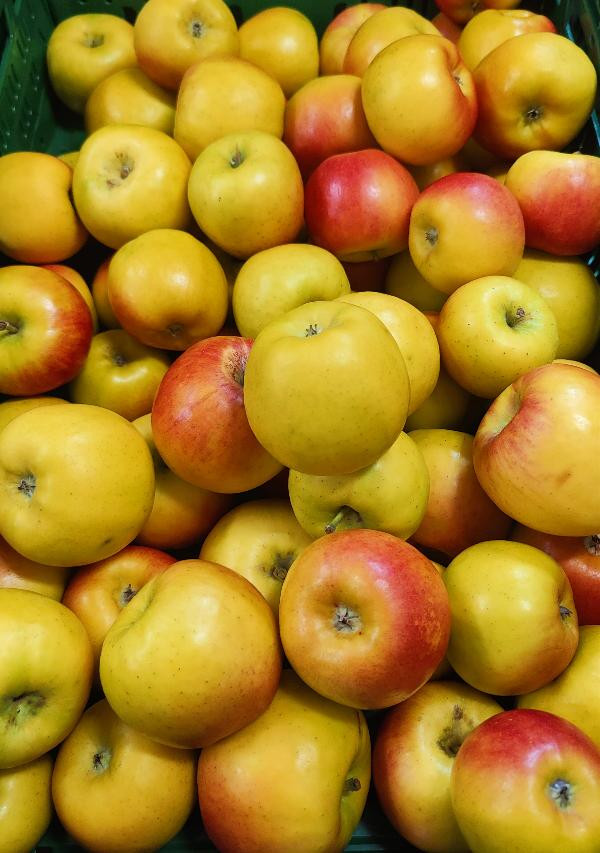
(16, 571)
(491, 27)
(405, 281)
(25, 805)
(130, 97)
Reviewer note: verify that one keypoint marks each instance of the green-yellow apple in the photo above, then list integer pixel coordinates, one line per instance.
(514, 624)
(405, 281)
(25, 805)
(45, 330)
(43, 226)
(536, 450)
(533, 91)
(130, 97)
(189, 299)
(98, 592)
(284, 43)
(338, 34)
(490, 27)
(276, 280)
(171, 35)
(84, 49)
(465, 226)
(391, 494)
(130, 179)
(419, 98)
(194, 657)
(297, 778)
(16, 571)
(575, 694)
(559, 196)
(115, 789)
(459, 513)
(120, 374)
(527, 780)
(259, 539)
(45, 674)
(364, 618)
(82, 493)
(77, 280)
(580, 558)
(224, 95)
(571, 290)
(246, 193)
(413, 756)
(199, 420)
(414, 335)
(493, 330)
(326, 389)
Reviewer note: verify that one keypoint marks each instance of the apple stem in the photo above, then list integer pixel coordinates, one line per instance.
(352, 784)
(282, 565)
(592, 544)
(7, 326)
(346, 518)
(236, 159)
(127, 594)
(513, 318)
(453, 735)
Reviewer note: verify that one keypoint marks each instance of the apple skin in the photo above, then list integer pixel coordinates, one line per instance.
(212, 622)
(535, 450)
(487, 238)
(447, 27)
(99, 288)
(364, 618)
(559, 196)
(10, 409)
(45, 330)
(514, 624)
(508, 780)
(78, 282)
(199, 421)
(405, 281)
(413, 756)
(446, 527)
(323, 752)
(338, 34)
(26, 805)
(580, 558)
(491, 27)
(16, 571)
(130, 97)
(46, 674)
(357, 205)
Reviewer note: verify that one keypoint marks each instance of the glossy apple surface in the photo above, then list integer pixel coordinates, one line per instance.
(25, 805)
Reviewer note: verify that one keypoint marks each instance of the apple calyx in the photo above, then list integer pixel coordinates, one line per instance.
(345, 518)
(281, 565)
(93, 40)
(16, 709)
(514, 316)
(101, 760)
(592, 544)
(27, 485)
(119, 359)
(125, 167)
(175, 329)
(533, 114)
(561, 792)
(452, 737)
(312, 330)
(565, 613)
(7, 326)
(351, 784)
(196, 28)
(346, 620)
(126, 595)
(431, 235)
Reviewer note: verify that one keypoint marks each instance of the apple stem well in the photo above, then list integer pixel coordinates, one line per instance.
(592, 544)
(7, 326)
(561, 792)
(533, 114)
(196, 28)
(345, 518)
(352, 784)
(27, 485)
(126, 595)
(93, 40)
(281, 566)
(514, 316)
(431, 235)
(565, 613)
(312, 330)
(346, 620)
(452, 737)
(101, 760)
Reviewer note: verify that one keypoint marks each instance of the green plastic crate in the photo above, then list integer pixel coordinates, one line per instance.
(31, 118)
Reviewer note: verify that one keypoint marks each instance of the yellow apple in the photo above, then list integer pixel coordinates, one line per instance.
(130, 97)
(338, 35)
(69, 157)
(430, 172)
(491, 27)
(445, 408)
(405, 281)
(25, 805)
(16, 571)
(10, 409)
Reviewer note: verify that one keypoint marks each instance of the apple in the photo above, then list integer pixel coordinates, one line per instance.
(130, 179)
(45, 330)
(199, 421)
(43, 226)
(189, 300)
(80, 495)
(259, 539)
(25, 805)
(106, 316)
(493, 330)
(339, 32)
(535, 451)
(447, 27)
(533, 91)
(459, 513)
(84, 49)
(10, 409)
(445, 408)
(358, 204)
(364, 618)
(16, 571)
(310, 384)
(391, 494)
(274, 281)
(246, 193)
(530, 779)
(194, 657)
(405, 281)
(491, 27)
(326, 117)
(415, 747)
(114, 789)
(514, 624)
(431, 172)
(46, 674)
(76, 279)
(559, 196)
(130, 97)
(171, 35)
(419, 98)
(120, 374)
(465, 226)
(319, 748)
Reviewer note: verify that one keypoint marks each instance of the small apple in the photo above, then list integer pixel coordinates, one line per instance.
(130, 97)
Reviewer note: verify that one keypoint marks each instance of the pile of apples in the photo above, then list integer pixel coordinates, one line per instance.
(314, 459)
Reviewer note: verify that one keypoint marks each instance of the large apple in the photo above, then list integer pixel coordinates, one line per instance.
(491, 27)
(199, 420)
(45, 330)
(338, 34)
(325, 388)
(130, 97)
(536, 450)
(514, 624)
(319, 748)
(45, 674)
(194, 657)
(25, 805)
(80, 495)
(364, 618)
(527, 780)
